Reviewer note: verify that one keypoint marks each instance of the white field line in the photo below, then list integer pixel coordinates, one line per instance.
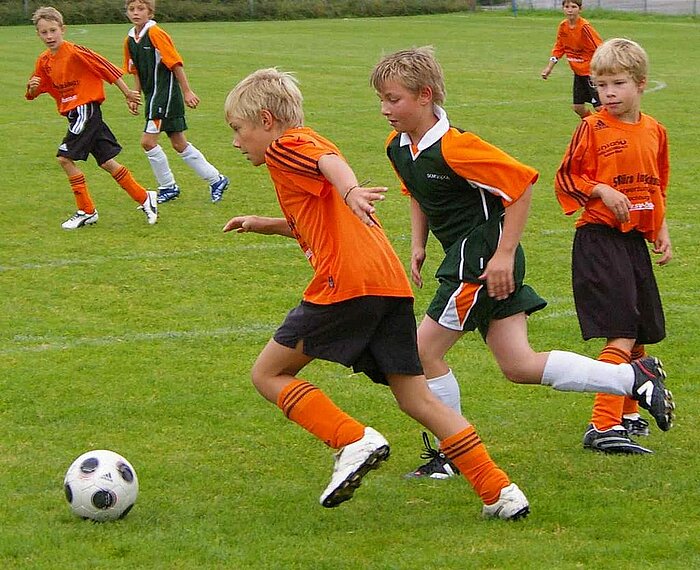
(28, 343)
(54, 263)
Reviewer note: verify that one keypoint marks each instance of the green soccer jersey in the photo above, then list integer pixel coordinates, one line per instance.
(460, 181)
(152, 56)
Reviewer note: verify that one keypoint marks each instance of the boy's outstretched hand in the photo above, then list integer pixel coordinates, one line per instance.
(258, 225)
(361, 201)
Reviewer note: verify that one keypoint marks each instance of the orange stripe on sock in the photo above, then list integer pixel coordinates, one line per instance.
(126, 180)
(80, 191)
(469, 454)
(607, 408)
(309, 407)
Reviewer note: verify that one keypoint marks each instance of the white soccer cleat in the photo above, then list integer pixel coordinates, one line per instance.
(511, 505)
(150, 207)
(80, 219)
(352, 463)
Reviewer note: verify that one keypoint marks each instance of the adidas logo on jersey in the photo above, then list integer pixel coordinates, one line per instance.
(599, 124)
(63, 147)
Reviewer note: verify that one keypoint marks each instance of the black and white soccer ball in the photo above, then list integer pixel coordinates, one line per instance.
(101, 485)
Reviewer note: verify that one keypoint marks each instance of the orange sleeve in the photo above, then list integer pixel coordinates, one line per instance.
(297, 157)
(128, 66)
(558, 49)
(664, 168)
(100, 65)
(487, 166)
(573, 182)
(164, 44)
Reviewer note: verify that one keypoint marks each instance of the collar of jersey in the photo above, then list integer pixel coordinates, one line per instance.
(147, 25)
(434, 134)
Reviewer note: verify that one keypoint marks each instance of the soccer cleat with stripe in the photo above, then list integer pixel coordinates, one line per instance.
(651, 393)
(80, 219)
(614, 441)
(437, 467)
(512, 505)
(168, 193)
(218, 188)
(352, 463)
(150, 207)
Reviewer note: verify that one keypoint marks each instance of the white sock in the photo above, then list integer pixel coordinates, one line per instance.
(572, 372)
(446, 389)
(196, 161)
(161, 168)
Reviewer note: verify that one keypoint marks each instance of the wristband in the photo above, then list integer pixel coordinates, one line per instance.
(345, 198)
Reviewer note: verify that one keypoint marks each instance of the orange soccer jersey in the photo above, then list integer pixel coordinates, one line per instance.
(349, 259)
(578, 44)
(73, 76)
(632, 158)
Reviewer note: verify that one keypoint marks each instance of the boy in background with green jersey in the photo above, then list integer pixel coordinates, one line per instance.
(151, 56)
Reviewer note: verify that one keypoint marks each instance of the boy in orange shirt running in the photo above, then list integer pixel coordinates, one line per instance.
(616, 169)
(73, 75)
(357, 309)
(578, 40)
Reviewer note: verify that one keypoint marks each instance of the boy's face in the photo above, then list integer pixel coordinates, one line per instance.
(571, 10)
(51, 33)
(406, 111)
(621, 95)
(138, 13)
(252, 138)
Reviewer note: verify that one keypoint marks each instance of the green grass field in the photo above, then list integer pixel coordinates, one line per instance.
(140, 339)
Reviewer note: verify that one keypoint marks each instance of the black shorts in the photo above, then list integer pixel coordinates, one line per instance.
(88, 134)
(584, 91)
(614, 286)
(374, 335)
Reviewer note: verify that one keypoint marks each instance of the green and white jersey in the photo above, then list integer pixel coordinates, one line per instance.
(152, 56)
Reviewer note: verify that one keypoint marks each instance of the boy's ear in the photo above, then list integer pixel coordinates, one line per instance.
(425, 94)
(267, 119)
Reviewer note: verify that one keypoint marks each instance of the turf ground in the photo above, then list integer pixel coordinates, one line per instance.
(140, 339)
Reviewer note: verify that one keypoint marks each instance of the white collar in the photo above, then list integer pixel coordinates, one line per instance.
(147, 25)
(434, 134)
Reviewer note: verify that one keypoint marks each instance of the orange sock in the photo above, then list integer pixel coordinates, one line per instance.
(467, 452)
(607, 408)
(632, 406)
(125, 179)
(80, 191)
(306, 405)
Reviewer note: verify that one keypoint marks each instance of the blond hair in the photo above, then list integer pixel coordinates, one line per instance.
(266, 89)
(414, 69)
(47, 13)
(150, 4)
(620, 55)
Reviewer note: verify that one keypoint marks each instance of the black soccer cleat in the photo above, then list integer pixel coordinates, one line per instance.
(636, 426)
(651, 393)
(437, 467)
(614, 441)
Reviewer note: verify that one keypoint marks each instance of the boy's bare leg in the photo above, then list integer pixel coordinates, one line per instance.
(462, 445)
(361, 448)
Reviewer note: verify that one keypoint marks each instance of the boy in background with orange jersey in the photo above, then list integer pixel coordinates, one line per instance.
(74, 76)
(578, 40)
(616, 169)
(475, 199)
(358, 308)
(151, 56)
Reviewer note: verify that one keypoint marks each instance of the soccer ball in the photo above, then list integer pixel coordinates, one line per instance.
(101, 485)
